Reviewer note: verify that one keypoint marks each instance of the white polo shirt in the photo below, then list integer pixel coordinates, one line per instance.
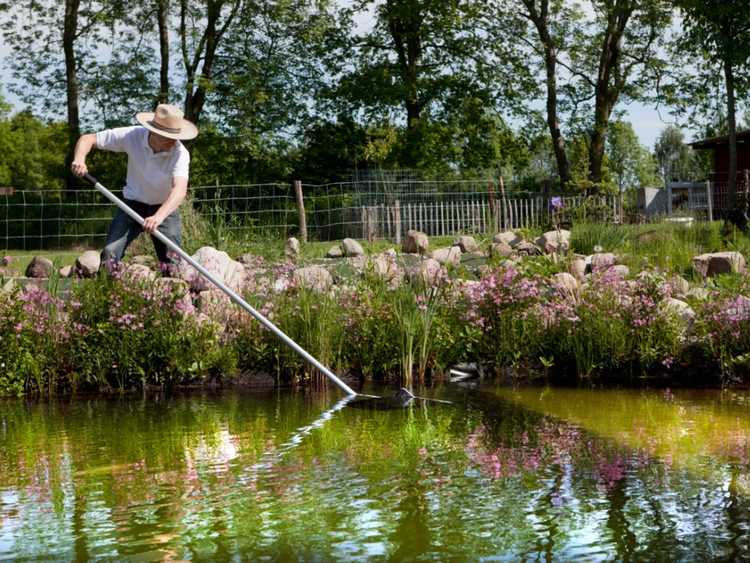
(150, 174)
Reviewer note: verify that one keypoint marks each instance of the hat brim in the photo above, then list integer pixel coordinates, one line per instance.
(187, 129)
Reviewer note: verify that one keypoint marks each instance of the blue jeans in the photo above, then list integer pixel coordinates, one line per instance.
(123, 230)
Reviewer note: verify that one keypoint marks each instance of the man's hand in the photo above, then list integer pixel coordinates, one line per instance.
(150, 224)
(79, 168)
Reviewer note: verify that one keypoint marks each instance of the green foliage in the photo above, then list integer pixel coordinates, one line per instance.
(585, 236)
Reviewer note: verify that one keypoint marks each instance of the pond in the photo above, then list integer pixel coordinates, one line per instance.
(515, 473)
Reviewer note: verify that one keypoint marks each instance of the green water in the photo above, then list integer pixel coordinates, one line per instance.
(502, 473)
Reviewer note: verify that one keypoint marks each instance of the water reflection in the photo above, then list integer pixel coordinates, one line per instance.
(508, 473)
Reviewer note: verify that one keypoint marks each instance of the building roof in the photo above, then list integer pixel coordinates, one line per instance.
(743, 137)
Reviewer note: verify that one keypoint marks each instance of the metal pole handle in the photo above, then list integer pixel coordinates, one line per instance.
(232, 295)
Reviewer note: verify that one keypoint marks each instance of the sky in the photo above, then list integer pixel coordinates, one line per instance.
(646, 121)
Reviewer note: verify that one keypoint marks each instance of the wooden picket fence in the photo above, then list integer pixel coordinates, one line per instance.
(447, 218)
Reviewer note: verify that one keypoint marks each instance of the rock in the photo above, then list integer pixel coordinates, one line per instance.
(335, 252)
(427, 271)
(466, 244)
(577, 268)
(526, 248)
(66, 271)
(384, 266)
(358, 263)
(39, 267)
(252, 261)
(679, 286)
(88, 263)
(566, 284)
(292, 248)
(602, 261)
(450, 255)
(230, 272)
(139, 272)
(713, 264)
(554, 241)
(316, 278)
(619, 269)
(501, 249)
(352, 248)
(416, 242)
(679, 308)
(508, 237)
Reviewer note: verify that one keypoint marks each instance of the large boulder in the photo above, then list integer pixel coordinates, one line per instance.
(450, 255)
(230, 272)
(554, 241)
(502, 249)
(526, 248)
(415, 242)
(352, 248)
(602, 261)
(678, 308)
(715, 263)
(466, 244)
(139, 272)
(88, 263)
(316, 278)
(335, 252)
(385, 266)
(508, 237)
(427, 271)
(39, 267)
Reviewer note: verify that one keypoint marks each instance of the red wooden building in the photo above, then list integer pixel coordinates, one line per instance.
(719, 146)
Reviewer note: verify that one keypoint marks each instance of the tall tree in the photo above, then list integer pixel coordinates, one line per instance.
(418, 63)
(202, 28)
(719, 33)
(603, 52)
(539, 13)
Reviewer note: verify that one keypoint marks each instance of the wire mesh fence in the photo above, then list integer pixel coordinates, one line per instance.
(373, 208)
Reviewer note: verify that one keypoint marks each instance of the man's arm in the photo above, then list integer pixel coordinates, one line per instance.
(83, 148)
(173, 201)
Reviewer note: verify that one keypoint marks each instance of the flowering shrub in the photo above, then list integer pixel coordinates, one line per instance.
(501, 306)
(723, 329)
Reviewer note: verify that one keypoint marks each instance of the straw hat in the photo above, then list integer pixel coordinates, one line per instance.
(167, 121)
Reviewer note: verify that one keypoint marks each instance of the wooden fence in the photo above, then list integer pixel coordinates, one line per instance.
(471, 216)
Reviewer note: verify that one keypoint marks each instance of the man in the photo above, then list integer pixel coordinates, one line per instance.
(157, 179)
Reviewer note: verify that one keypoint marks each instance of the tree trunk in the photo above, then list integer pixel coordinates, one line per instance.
(162, 7)
(404, 27)
(732, 123)
(609, 83)
(70, 28)
(195, 95)
(540, 19)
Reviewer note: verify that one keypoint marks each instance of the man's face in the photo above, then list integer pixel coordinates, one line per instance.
(160, 143)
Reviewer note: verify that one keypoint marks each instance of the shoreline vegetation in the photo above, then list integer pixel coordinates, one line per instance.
(604, 304)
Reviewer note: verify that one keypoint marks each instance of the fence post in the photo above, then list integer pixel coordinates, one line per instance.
(397, 220)
(504, 205)
(300, 210)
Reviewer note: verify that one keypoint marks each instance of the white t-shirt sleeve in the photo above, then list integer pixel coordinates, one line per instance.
(181, 168)
(115, 140)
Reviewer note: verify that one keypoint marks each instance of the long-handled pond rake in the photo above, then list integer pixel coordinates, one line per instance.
(402, 398)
